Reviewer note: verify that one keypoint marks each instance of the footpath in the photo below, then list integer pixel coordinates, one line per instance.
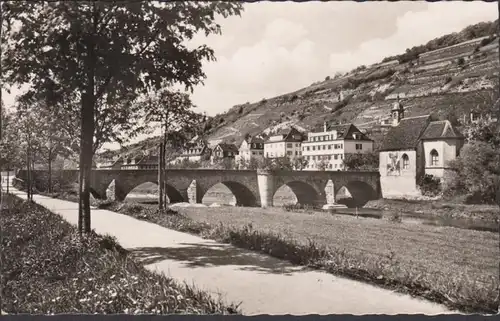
(263, 285)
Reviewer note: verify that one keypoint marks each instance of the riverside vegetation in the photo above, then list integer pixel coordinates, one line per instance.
(455, 267)
(47, 269)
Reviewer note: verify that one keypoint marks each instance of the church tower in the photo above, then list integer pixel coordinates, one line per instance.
(397, 112)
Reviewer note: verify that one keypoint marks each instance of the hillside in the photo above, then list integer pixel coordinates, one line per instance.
(446, 77)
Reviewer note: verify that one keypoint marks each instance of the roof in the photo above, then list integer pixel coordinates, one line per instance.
(406, 135)
(256, 140)
(440, 129)
(346, 131)
(228, 147)
(288, 135)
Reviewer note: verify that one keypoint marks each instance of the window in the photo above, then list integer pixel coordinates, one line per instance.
(296, 152)
(289, 153)
(329, 146)
(289, 145)
(314, 157)
(314, 147)
(297, 145)
(434, 158)
(308, 147)
(335, 156)
(359, 146)
(324, 146)
(253, 153)
(406, 161)
(330, 166)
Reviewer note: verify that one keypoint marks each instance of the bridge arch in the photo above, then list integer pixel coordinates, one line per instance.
(355, 194)
(305, 193)
(243, 195)
(151, 187)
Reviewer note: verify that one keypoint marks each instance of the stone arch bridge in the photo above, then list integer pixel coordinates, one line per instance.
(250, 187)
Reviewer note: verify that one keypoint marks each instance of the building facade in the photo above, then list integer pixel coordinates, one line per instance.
(284, 143)
(412, 148)
(250, 148)
(223, 151)
(326, 149)
(196, 151)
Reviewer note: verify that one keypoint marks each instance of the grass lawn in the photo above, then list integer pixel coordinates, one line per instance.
(443, 250)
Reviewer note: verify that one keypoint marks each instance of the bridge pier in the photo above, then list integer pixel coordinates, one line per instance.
(266, 182)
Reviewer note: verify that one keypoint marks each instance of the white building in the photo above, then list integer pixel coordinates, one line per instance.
(326, 149)
(251, 148)
(196, 151)
(413, 147)
(284, 143)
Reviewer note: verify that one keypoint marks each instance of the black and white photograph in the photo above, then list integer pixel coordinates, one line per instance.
(249, 158)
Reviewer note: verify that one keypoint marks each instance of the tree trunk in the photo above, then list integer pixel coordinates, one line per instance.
(50, 170)
(32, 161)
(80, 177)
(164, 171)
(28, 174)
(88, 124)
(160, 177)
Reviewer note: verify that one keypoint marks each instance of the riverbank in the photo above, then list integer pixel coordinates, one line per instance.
(456, 267)
(48, 269)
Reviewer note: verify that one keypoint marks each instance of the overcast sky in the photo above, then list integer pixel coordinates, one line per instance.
(274, 48)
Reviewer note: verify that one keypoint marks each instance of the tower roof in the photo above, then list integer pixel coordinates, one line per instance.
(397, 105)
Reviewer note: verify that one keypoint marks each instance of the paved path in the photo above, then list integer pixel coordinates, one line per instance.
(262, 284)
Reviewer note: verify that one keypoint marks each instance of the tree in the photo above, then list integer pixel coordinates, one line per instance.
(11, 155)
(484, 130)
(58, 127)
(300, 163)
(29, 131)
(361, 161)
(476, 172)
(322, 164)
(108, 51)
(172, 110)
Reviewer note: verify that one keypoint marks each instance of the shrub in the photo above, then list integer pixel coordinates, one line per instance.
(395, 217)
(429, 185)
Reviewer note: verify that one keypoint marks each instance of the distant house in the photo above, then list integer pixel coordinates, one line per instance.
(115, 164)
(251, 148)
(223, 151)
(413, 147)
(148, 160)
(328, 147)
(284, 143)
(196, 151)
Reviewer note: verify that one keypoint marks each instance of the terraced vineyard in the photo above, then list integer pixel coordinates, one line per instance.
(444, 80)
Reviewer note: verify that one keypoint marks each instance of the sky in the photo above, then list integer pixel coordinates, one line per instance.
(278, 47)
